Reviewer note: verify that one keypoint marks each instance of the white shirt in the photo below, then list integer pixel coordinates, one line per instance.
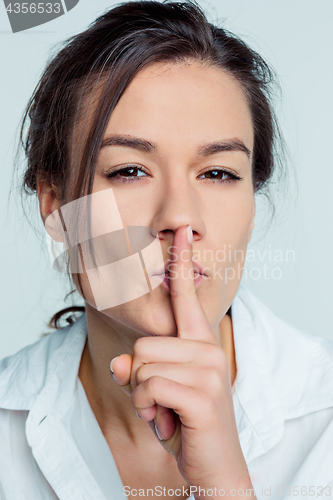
(51, 446)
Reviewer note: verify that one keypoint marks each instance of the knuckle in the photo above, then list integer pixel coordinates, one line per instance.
(139, 347)
(142, 373)
(217, 370)
(206, 405)
(186, 292)
(135, 398)
(211, 382)
(185, 331)
(219, 358)
(153, 384)
(176, 294)
(215, 381)
(210, 405)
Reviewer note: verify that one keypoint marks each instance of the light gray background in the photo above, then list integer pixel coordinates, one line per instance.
(295, 37)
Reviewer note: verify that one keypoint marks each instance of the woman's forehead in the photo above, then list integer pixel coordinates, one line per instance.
(188, 103)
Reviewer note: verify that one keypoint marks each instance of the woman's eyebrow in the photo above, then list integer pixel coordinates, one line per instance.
(148, 147)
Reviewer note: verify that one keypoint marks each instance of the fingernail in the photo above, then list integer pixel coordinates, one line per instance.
(111, 364)
(158, 433)
(189, 235)
(138, 415)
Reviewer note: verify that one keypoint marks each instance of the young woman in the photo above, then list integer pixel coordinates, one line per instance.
(166, 119)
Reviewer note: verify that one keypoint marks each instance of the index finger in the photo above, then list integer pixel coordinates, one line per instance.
(192, 322)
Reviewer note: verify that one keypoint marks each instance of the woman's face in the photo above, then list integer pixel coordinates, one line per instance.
(181, 110)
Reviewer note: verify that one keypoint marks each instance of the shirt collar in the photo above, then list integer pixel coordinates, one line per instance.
(282, 373)
(42, 377)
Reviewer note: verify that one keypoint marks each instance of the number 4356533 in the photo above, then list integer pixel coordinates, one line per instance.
(33, 8)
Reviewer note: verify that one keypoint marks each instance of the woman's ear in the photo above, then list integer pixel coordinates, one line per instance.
(49, 203)
(48, 196)
(252, 221)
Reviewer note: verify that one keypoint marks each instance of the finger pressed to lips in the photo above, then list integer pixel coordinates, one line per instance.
(190, 317)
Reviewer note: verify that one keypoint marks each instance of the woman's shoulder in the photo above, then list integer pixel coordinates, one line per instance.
(25, 373)
(251, 307)
(298, 364)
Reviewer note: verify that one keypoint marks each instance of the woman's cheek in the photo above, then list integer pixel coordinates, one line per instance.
(235, 235)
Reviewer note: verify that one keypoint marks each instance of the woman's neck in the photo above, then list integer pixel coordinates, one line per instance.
(228, 345)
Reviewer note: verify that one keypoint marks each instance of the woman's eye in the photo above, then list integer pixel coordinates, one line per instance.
(127, 174)
(220, 175)
(132, 172)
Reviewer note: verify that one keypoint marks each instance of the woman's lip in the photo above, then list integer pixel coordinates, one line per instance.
(196, 267)
(198, 279)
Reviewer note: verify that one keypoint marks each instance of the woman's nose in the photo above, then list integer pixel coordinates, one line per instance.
(176, 206)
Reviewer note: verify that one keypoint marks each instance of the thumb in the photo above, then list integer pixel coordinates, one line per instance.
(120, 368)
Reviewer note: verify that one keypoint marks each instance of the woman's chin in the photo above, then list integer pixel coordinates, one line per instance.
(157, 320)
(150, 315)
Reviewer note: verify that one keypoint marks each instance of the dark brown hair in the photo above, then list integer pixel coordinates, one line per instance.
(89, 74)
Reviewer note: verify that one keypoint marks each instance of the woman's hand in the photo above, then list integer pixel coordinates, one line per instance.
(182, 385)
